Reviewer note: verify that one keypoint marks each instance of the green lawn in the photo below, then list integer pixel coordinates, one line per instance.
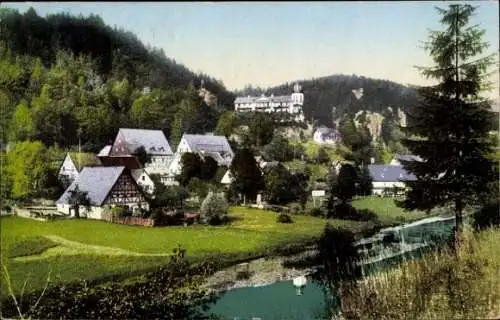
(387, 211)
(90, 249)
(93, 249)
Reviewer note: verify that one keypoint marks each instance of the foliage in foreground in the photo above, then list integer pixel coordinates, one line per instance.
(172, 292)
(442, 285)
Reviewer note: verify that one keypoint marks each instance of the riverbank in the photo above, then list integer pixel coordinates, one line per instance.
(266, 271)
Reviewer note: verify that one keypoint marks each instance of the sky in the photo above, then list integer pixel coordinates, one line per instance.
(270, 43)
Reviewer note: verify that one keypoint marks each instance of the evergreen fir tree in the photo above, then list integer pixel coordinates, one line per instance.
(449, 129)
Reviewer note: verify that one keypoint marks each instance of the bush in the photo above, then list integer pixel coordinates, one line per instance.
(214, 209)
(284, 218)
(347, 212)
(317, 212)
(295, 208)
(487, 216)
(121, 211)
(7, 208)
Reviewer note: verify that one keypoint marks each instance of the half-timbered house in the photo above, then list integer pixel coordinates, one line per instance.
(105, 186)
(124, 149)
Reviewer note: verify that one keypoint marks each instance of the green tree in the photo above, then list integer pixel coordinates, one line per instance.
(278, 149)
(247, 177)
(450, 126)
(191, 164)
(214, 208)
(278, 182)
(260, 130)
(345, 186)
(28, 167)
(322, 156)
(227, 122)
(22, 126)
(78, 198)
(142, 155)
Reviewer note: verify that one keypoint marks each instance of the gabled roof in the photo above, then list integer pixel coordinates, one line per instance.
(96, 181)
(83, 159)
(153, 141)
(388, 173)
(407, 157)
(136, 173)
(207, 143)
(104, 151)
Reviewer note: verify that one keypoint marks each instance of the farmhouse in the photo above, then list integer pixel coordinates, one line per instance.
(105, 186)
(124, 149)
(216, 147)
(325, 135)
(142, 178)
(73, 164)
(387, 177)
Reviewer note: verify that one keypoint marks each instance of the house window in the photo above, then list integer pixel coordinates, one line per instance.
(143, 178)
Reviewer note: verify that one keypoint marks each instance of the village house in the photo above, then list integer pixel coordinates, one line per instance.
(73, 164)
(216, 147)
(325, 135)
(387, 178)
(142, 178)
(126, 145)
(105, 186)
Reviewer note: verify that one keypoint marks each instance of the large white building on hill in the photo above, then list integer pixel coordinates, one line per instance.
(290, 106)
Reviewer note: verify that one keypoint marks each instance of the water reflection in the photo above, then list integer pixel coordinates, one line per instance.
(386, 249)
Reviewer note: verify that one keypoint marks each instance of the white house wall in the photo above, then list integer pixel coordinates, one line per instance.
(68, 169)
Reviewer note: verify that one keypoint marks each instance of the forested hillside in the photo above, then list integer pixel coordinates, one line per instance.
(63, 76)
(329, 98)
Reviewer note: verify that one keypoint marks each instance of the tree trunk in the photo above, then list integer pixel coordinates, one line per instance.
(77, 211)
(458, 222)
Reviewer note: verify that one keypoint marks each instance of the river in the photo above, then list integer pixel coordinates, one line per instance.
(385, 249)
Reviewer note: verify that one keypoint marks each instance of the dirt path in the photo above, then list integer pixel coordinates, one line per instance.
(69, 247)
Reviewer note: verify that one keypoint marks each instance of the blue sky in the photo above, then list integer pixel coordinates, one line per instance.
(270, 43)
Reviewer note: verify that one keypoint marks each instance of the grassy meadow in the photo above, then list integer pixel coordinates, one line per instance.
(73, 249)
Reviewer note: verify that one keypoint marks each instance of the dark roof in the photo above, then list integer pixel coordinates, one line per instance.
(153, 141)
(388, 173)
(96, 181)
(208, 143)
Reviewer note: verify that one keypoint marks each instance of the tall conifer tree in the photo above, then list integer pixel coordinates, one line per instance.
(452, 122)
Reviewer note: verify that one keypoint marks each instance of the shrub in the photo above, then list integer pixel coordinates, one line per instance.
(284, 218)
(214, 209)
(487, 216)
(6, 208)
(317, 212)
(121, 211)
(295, 208)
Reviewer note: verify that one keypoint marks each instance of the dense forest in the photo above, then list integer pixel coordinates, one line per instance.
(64, 77)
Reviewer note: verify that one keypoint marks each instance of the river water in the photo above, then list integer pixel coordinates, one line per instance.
(386, 249)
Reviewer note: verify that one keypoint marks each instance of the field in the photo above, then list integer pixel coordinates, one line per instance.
(89, 249)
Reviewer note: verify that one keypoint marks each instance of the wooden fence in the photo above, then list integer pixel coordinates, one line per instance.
(133, 221)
